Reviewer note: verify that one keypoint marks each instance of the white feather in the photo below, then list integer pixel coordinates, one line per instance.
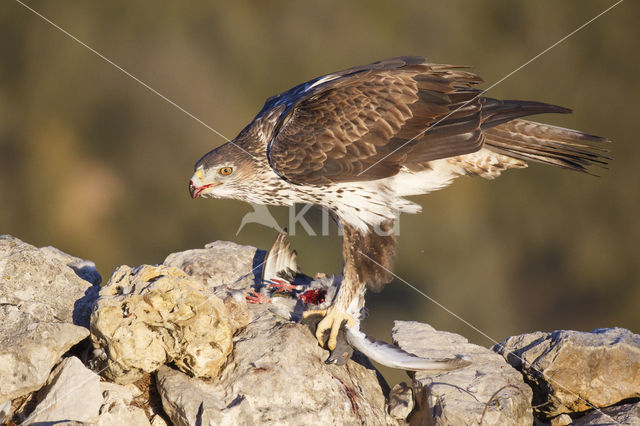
(440, 173)
(363, 204)
(394, 357)
(323, 80)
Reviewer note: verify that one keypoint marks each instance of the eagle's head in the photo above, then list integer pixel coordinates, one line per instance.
(225, 172)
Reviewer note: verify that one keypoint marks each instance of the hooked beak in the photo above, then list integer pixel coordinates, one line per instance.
(196, 191)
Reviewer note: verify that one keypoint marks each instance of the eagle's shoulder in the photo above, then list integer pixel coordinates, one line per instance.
(305, 90)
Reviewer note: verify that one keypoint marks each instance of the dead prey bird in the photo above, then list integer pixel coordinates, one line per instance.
(360, 140)
(283, 283)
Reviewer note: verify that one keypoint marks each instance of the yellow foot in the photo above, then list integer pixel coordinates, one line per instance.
(332, 320)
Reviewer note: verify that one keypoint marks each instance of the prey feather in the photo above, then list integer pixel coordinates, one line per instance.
(281, 271)
(395, 357)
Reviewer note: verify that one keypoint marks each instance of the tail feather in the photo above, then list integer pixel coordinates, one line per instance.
(496, 112)
(547, 144)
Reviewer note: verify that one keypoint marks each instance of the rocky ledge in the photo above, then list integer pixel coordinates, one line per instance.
(177, 343)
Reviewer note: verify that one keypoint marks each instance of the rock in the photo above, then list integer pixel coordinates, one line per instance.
(116, 406)
(186, 312)
(221, 263)
(83, 268)
(133, 389)
(42, 296)
(401, 401)
(29, 349)
(489, 391)
(561, 420)
(237, 309)
(40, 282)
(5, 411)
(157, 420)
(123, 415)
(114, 394)
(71, 393)
(186, 403)
(573, 371)
(228, 269)
(624, 414)
(74, 393)
(150, 315)
(276, 375)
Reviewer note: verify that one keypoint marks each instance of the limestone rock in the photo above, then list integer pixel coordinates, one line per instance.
(221, 263)
(602, 367)
(157, 420)
(150, 315)
(42, 295)
(237, 309)
(401, 401)
(186, 311)
(123, 415)
(227, 269)
(46, 283)
(116, 407)
(72, 393)
(561, 420)
(624, 414)
(276, 375)
(5, 411)
(115, 394)
(461, 396)
(29, 349)
(83, 268)
(186, 403)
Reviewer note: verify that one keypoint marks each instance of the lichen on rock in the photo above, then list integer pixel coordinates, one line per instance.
(151, 315)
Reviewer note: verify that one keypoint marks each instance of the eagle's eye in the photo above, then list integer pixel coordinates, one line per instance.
(225, 171)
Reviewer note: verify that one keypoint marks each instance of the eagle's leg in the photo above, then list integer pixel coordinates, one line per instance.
(367, 263)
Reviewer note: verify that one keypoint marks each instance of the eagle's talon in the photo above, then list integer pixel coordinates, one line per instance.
(332, 321)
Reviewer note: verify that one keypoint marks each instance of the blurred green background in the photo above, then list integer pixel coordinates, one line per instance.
(96, 165)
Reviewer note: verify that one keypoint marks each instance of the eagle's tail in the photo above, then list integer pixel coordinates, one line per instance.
(543, 143)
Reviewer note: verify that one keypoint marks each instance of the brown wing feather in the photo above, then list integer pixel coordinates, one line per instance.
(370, 121)
(359, 120)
